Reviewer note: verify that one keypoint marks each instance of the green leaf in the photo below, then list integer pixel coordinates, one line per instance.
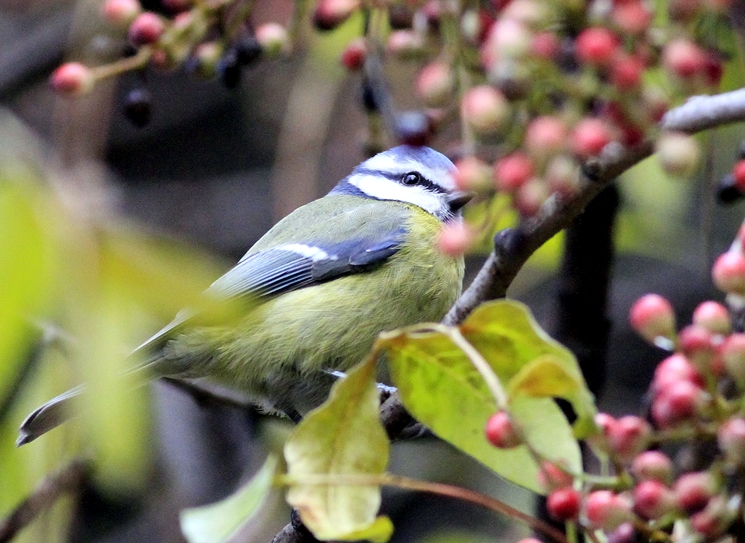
(218, 522)
(441, 388)
(344, 436)
(517, 348)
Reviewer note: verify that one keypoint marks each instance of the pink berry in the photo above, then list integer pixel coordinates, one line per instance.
(530, 197)
(434, 85)
(714, 519)
(625, 533)
(728, 273)
(652, 499)
(455, 238)
(509, 38)
(732, 352)
(484, 109)
(147, 28)
(672, 370)
(731, 439)
(606, 510)
(683, 58)
(562, 175)
(698, 344)
(353, 56)
(473, 174)
(714, 317)
(545, 136)
(589, 137)
(653, 466)
(273, 39)
(405, 44)
(564, 504)
(677, 403)
(331, 13)
(626, 73)
(738, 172)
(629, 436)
(552, 477)
(694, 490)
(545, 45)
(679, 153)
(501, 432)
(72, 79)
(605, 424)
(596, 46)
(512, 171)
(632, 17)
(652, 317)
(120, 13)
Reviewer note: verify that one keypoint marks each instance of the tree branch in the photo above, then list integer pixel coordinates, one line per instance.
(65, 481)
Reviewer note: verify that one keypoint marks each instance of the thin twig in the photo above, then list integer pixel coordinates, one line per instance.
(65, 481)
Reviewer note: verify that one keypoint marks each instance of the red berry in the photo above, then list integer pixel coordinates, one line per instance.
(678, 402)
(72, 79)
(473, 174)
(738, 172)
(434, 85)
(606, 510)
(484, 109)
(732, 352)
(683, 58)
(353, 56)
(728, 273)
(501, 432)
(455, 238)
(564, 504)
(626, 73)
(652, 317)
(672, 370)
(331, 13)
(589, 137)
(545, 136)
(120, 13)
(679, 153)
(552, 477)
(512, 171)
(596, 46)
(731, 439)
(652, 499)
(714, 317)
(653, 466)
(693, 490)
(629, 436)
(147, 28)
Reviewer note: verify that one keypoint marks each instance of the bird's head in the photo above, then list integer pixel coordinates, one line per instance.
(416, 175)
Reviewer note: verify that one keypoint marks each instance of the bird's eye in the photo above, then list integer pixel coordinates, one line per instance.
(412, 178)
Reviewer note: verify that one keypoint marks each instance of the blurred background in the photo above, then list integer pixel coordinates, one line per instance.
(108, 229)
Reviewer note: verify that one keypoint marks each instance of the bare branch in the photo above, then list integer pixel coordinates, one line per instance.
(65, 481)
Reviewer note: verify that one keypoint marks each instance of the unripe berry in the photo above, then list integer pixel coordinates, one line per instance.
(625, 533)
(353, 56)
(674, 369)
(632, 17)
(605, 424)
(606, 511)
(698, 344)
(473, 174)
(331, 13)
(147, 28)
(530, 197)
(552, 477)
(509, 38)
(501, 432)
(714, 519)
(714, 317)
(434, 85)
(728, 273)
(653, 466)
(413, 128)
(731, 439)
(652, 317)
(405, 44)
(733, 355)
(677, 403)
(72, 79)
(652, 500)
(512, 171)
(626, 73)
(683, 59)
(629, 436)
(120, 13)
(273, 39)
(562, 175)
(545, 136)
(679, 153)
(589, 137)
(596, 46)
(564, 504)
(484, 109)
(693, 490)
(455, 238)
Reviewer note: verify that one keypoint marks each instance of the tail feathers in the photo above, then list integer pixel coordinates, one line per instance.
(48, 416)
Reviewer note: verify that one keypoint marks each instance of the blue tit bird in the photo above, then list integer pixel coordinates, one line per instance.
(329, 278)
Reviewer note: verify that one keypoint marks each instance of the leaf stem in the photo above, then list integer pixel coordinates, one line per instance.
(442, 489)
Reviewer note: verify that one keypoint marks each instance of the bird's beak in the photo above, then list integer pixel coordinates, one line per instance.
(457, 200)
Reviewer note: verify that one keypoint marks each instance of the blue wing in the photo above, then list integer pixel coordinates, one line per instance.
(293, 266)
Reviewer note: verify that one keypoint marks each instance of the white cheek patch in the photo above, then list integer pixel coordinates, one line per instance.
(308, 251)
(385, 189)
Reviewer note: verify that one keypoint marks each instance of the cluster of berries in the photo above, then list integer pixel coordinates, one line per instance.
(696, 396)
(207, 39)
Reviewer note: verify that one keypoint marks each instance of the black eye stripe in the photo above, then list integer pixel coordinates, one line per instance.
(397, 177)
